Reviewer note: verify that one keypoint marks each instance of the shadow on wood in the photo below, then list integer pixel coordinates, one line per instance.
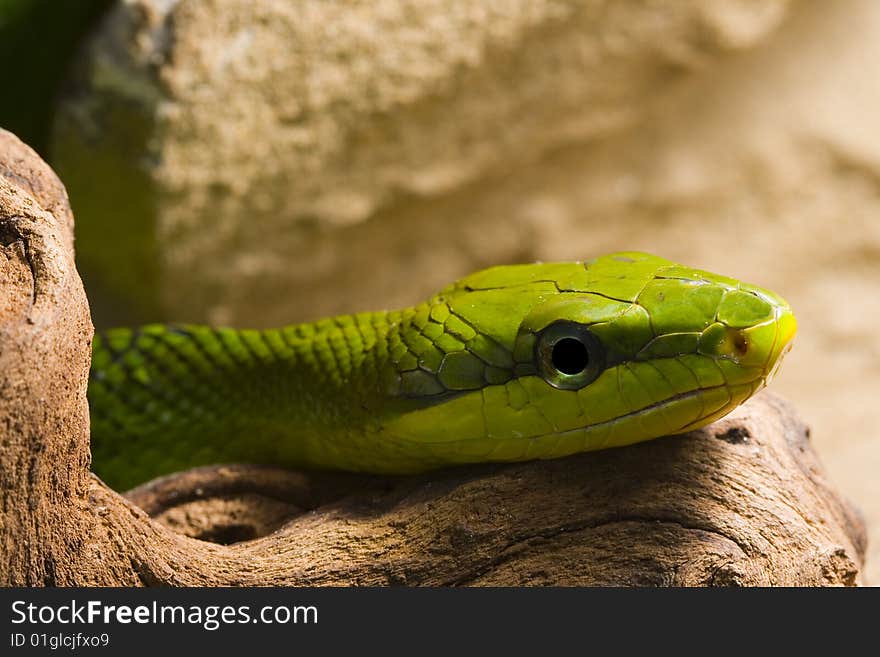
(742, 502)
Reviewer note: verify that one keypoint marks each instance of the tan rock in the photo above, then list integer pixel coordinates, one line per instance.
(258, 163)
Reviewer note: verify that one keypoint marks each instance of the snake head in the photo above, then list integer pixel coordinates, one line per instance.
(671, 350)
(569, 357)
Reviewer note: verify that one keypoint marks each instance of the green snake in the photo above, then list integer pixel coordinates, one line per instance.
(511, 363)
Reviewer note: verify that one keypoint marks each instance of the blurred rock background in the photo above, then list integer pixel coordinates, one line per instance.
(261, 163)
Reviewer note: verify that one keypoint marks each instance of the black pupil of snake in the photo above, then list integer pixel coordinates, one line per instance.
(570, 356)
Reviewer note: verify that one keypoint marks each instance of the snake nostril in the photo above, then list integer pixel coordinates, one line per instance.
(741, 343)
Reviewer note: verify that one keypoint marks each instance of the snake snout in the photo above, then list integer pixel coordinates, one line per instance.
(786, 329)
(754, 329)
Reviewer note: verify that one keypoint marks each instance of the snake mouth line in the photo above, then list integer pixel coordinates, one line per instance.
(656, 406)
(760, 380)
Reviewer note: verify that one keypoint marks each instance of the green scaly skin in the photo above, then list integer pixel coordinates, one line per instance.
(648, 348)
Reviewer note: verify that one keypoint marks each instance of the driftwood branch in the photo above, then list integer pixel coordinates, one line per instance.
(742, 502)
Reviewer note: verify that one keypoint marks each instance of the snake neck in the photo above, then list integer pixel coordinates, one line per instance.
(165, 398)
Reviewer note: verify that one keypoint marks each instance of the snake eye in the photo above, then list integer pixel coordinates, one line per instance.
(568, 355)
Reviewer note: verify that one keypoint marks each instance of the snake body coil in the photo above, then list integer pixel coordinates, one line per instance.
(511, 363)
